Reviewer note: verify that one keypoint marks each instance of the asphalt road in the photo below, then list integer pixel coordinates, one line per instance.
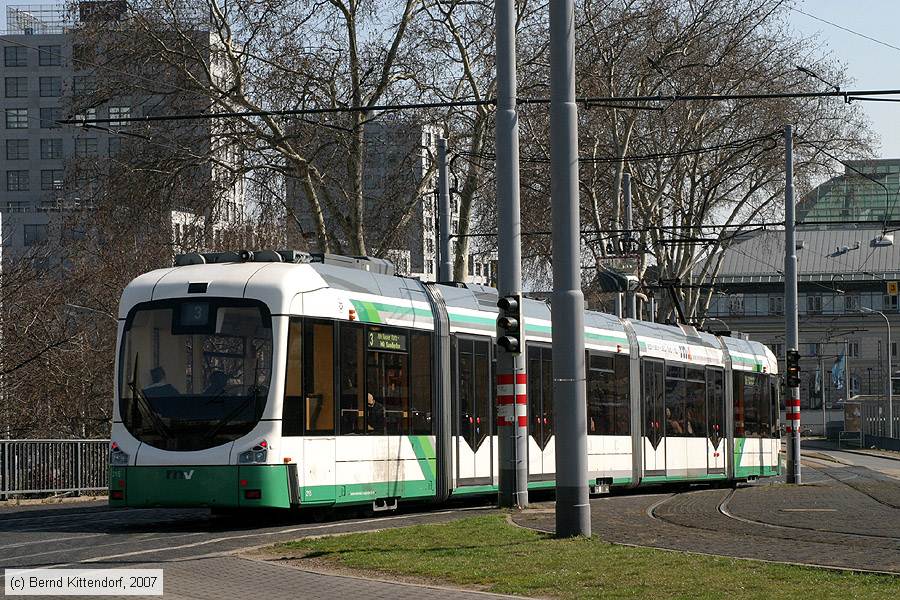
(197, 551)
(886, 465)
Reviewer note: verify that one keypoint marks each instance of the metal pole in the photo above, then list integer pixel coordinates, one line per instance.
(573, 516)
(445, 266)
(630, 297)
(513, 435)
(822, 391)
(847, 370)
(792, 330)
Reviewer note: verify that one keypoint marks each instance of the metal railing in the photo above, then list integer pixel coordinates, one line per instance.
(52, 466)
(875, 418)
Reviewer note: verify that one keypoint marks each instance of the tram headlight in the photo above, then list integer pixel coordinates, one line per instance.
(255, 455)
(117, 457)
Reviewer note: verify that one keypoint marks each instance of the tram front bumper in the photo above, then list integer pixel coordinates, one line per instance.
(222, 486)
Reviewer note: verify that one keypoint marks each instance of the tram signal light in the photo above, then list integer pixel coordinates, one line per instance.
(509, 324)
(792, 379)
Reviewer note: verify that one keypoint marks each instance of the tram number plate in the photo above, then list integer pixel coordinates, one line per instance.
(380, 340)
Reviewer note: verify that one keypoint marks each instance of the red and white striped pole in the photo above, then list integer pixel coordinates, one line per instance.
(512, 401)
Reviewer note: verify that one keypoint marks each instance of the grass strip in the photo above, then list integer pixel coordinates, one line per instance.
(496, 556)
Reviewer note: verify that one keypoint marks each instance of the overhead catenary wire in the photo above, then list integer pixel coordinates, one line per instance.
(464, 103)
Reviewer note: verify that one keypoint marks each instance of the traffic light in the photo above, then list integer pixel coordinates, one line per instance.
(509, 324)
(792, 378)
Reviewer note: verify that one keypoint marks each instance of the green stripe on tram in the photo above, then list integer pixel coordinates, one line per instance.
(379, 312)
(424, 449)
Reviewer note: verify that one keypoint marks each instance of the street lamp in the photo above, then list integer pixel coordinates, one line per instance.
(889, 392)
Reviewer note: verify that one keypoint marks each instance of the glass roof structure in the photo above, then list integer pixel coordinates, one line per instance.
(856, 197)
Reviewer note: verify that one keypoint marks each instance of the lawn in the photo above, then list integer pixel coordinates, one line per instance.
(496, 556)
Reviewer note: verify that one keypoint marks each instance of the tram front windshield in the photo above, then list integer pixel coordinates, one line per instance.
(194, 374)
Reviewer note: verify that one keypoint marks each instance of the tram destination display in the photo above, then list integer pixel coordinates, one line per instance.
(382, 340)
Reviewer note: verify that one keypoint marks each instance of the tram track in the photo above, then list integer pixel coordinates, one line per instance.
(653, 512)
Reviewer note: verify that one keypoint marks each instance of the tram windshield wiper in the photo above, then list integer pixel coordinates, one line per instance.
(140, 401)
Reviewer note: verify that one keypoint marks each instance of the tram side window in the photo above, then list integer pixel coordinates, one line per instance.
(608, 395)
(420, 385)
(695, 402)
(715, 389)
(318, 367)
(675, 422)
(387, 382)
(353, 381)
(752, 405)
(292, 408)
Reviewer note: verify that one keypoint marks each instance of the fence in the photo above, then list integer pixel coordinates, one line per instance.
(52, 466)
(875, 419)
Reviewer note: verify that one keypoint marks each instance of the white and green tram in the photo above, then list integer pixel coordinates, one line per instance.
(282, 379)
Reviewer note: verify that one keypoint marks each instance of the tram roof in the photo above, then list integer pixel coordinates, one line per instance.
(277, 284)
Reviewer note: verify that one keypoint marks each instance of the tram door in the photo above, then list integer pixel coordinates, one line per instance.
(473, 415)
(653, 416)
(715, 421)
(541, 457)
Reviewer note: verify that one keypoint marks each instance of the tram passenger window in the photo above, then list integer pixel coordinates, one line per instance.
(387, 379)
(292, 409)
(352, 378)
(318, 367)
(695, 402)
(675, 422)
(608, 395)
(752, 405)
(420, 385)
(474, 391)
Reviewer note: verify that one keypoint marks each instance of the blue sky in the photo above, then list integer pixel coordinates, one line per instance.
(870, 64)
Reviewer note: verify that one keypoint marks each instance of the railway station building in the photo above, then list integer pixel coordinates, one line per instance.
(849, 269)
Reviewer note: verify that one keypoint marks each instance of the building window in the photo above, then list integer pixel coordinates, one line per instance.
(16, 149)
(49, 56)
(119, 112)
(85, 147)
(51, 148)
(812, 350)
(17, 181)
(84, 84)
(35, 234)
(893, 349)
(51, 87)
(736, 304)
(889, 303)
(89, 114)
(15, 56)
(776, 305)
(17, 118)
(851, 303)
(16, 87)
(853, 348)
(115, 146)
(814, 305)
(50, 118)
(52, 179)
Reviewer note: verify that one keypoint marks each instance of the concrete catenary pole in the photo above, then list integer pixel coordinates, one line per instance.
(513, 429)
(445, 266)
(792, 331)
(630, 296)
(573, 515)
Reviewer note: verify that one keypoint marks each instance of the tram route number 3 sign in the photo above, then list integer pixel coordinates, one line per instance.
(893, 287)
(380, 340)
